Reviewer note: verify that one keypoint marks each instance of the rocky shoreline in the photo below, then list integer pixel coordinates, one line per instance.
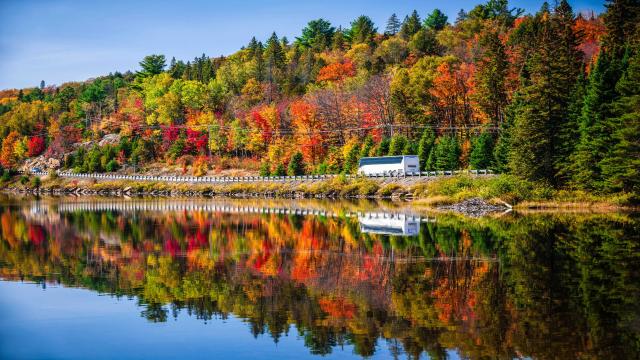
(475, 207)
(133, 192)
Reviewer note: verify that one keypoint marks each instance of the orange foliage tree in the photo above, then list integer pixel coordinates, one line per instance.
(307, 129)
(7, 157)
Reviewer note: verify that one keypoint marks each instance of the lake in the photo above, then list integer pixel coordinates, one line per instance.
(105, 278)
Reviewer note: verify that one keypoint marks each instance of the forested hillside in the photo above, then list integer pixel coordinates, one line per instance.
(551, 96)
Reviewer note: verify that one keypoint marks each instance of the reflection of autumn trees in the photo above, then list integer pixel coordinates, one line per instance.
(539, 286)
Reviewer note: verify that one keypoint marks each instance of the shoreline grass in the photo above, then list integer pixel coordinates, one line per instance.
(498, 189)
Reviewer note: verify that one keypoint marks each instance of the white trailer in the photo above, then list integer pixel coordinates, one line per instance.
(386, 224)
(389, 165)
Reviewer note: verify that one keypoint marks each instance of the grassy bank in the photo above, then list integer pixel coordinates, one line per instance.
(430, 192)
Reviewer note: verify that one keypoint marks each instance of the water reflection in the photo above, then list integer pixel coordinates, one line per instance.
(541, 286)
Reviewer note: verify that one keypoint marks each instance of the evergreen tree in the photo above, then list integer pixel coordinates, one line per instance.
(424, 42)
(621, 164)
(446, 153)
(424, 147)
(279, 170)
(152, 65)
(351, 160)
(397, 145)
(553, 69)
(362, 30)
(569, 133)
(318, 34)
(393, 25)
(597, 122)
(493, 66)
(437, 20)
(264, 169)
(296, 165)
(481, 156)
(275, 61)
(383, 147)
(410, 25)
(366, 146)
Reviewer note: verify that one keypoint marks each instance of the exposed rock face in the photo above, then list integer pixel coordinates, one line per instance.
(474, 207)
(110, 139)
(41, 163)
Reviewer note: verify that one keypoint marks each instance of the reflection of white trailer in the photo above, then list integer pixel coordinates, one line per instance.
(389, 224)
(389, 165)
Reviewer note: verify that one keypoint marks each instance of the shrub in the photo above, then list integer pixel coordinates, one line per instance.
(112, 166)
(388, 189)
(24, 179)
(35, 182)
(264, 169)
(200, 166)
(52, 174)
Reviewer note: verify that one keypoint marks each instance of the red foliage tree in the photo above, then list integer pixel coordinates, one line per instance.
(262, 124)
(196, 142)
(337, 71)
(35, 146)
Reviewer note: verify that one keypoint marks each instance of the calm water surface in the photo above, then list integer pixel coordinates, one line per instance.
(189, 279)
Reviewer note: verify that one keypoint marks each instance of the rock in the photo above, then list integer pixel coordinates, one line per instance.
(474, 207)
(109, 139)
(41, 163)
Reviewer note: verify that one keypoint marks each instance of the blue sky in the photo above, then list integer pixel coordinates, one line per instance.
(65, 40)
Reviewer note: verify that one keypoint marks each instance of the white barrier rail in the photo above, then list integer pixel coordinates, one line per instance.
(241, 179)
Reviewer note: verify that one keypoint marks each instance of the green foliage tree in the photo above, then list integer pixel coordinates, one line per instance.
(481, 156)
(362, 30)
(393, 25)
(151, 65)
(445, 154)
(410, 25)
(296, 165)
(318, 34)
(279, 170)
(425, 146)
(553, 68)
(621, 164)
(437, 20)
(265, 169)
(397, 145)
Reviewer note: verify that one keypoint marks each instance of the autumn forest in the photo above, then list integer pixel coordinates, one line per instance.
(552, 97)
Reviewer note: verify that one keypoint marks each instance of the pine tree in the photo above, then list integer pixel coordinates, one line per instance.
(482, 152)
(424, 148)
(597, 122)
(410, 25)
(621, 165)
(279, 171)
(446, 154)
(397, 145)
(553, 68)
(393, 25)
(367, 145)
(383, 147)
(437, 20)
(569, 134)
(296, 165)
(362, 30)
(275, 61)
(265, 169)
(493, 66)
